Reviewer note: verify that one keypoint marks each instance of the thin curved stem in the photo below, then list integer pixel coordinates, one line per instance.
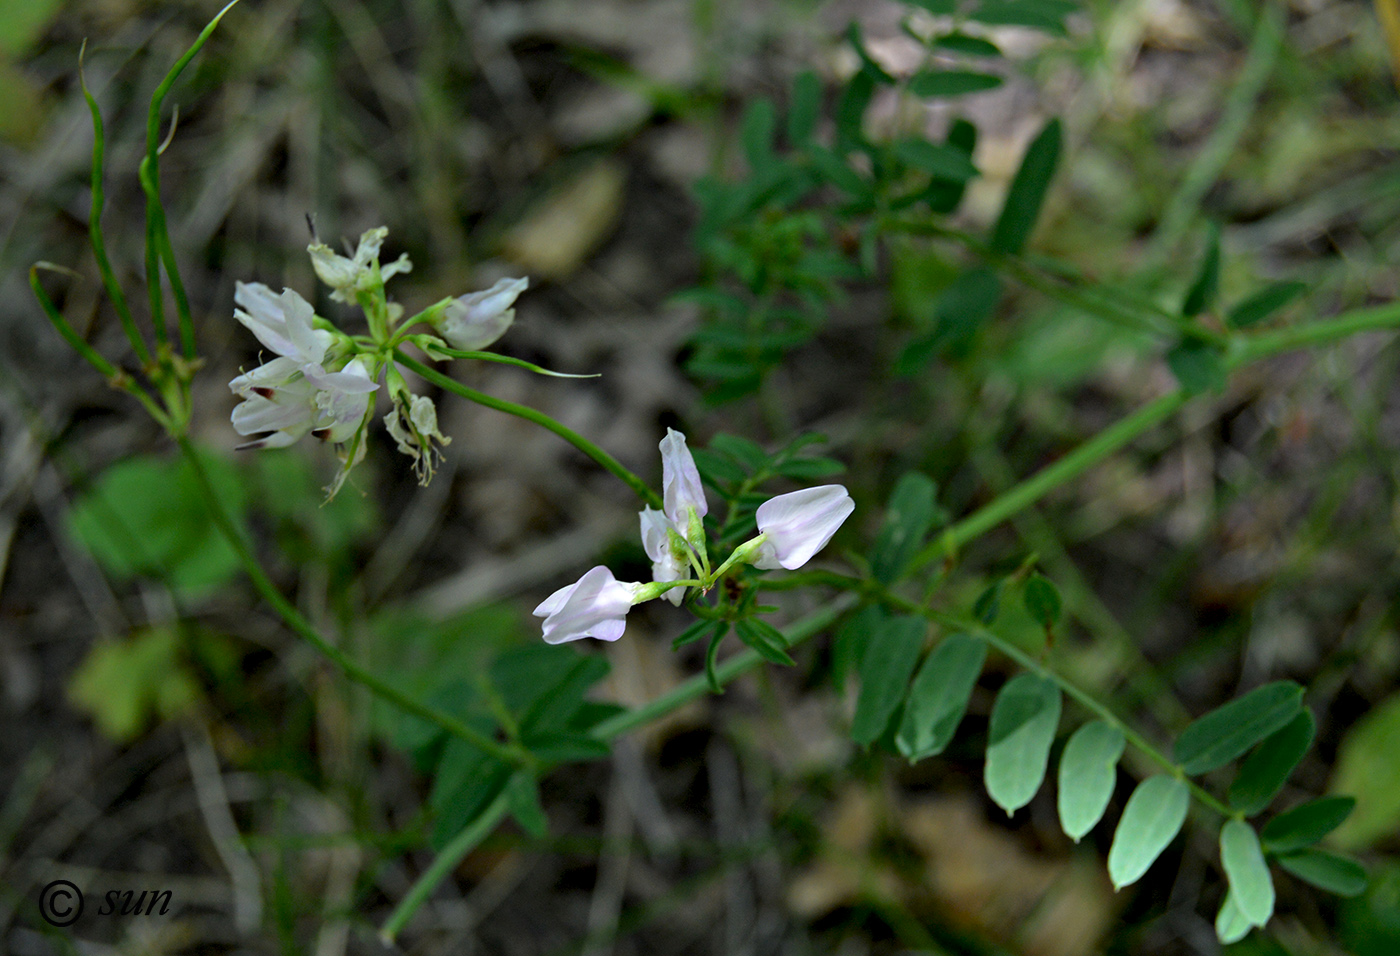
(445, 862)
(539, 418)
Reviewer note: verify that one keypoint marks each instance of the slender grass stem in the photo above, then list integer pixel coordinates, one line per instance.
(539, 418)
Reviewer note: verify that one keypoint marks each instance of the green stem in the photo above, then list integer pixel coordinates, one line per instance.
(224, 522)
(1251, 348)
(1052, 476)
(99, 246)
(539, 418)
(445, 862)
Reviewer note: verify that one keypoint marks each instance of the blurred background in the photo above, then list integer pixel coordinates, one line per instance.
(163, 731)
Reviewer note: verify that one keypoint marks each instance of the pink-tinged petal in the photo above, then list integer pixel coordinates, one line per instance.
(594, 607)
(680, 482)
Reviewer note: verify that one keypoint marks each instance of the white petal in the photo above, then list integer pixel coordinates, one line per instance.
(799, 524)
(680, 481)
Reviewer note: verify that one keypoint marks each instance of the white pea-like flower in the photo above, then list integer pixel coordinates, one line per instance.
(797, 525)
(658, 538)
(342, 400)
(473, 321)
(595, 606)
(680, 482)
(347, 276)
(282, 323)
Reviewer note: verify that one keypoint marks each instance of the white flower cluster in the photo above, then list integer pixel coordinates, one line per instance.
(791, 529)
(322, 381)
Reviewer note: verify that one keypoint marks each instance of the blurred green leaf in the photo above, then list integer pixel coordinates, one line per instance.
(1151, 820)
(909, 515)
(1231, 925)
(1250, 884)
(1045, 15)
(146, 516)
(1225, 733)
(125, 684)
(887, 662)
(1263, 773)
(1327, 871)
(1198, 366)
(932, 84)
(1368, 768)
(938, 698)
(1201, 296)
(1024, 719)
(1042, 601)
(757, 130)
(699, 630)
(850, 117)
(1305, 824)
(565, 747)
(1263, 304)
(1088, 773)
(936, 159)
(988, 604)
(23, 22)
(1028, 190)
(967, 45)
(804, 108)
(465, 783)
(523, 801)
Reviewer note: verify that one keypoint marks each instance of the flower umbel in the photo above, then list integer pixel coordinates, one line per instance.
(595, 606)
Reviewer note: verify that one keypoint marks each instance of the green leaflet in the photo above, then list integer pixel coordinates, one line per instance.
(1087, 776)
(938, 699)
(1327, 871)
(1266, 769)
(1151, 820)
(1226, 732)
(1305, 824)
(1231, 926)
(1024, 719)
(891, 651)
(1251, 887)
(1028, 190)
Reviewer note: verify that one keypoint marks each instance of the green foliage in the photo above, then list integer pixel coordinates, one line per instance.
(1368, 767)
(911, 513)
(1024, 718)
(1088, 772)
(1263, 773)
(146, 516)
(1228, 731)
(1231, 925)
(887, 662)
(1028, 190)
(1042, 600)
(938, 699)
(764, 638)
(1263, 304)
(1198, 366)
(1151, 820)
(1305, 824)
(1251, 887)
(126, 684)
(1201, 296)
(1327, 871)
